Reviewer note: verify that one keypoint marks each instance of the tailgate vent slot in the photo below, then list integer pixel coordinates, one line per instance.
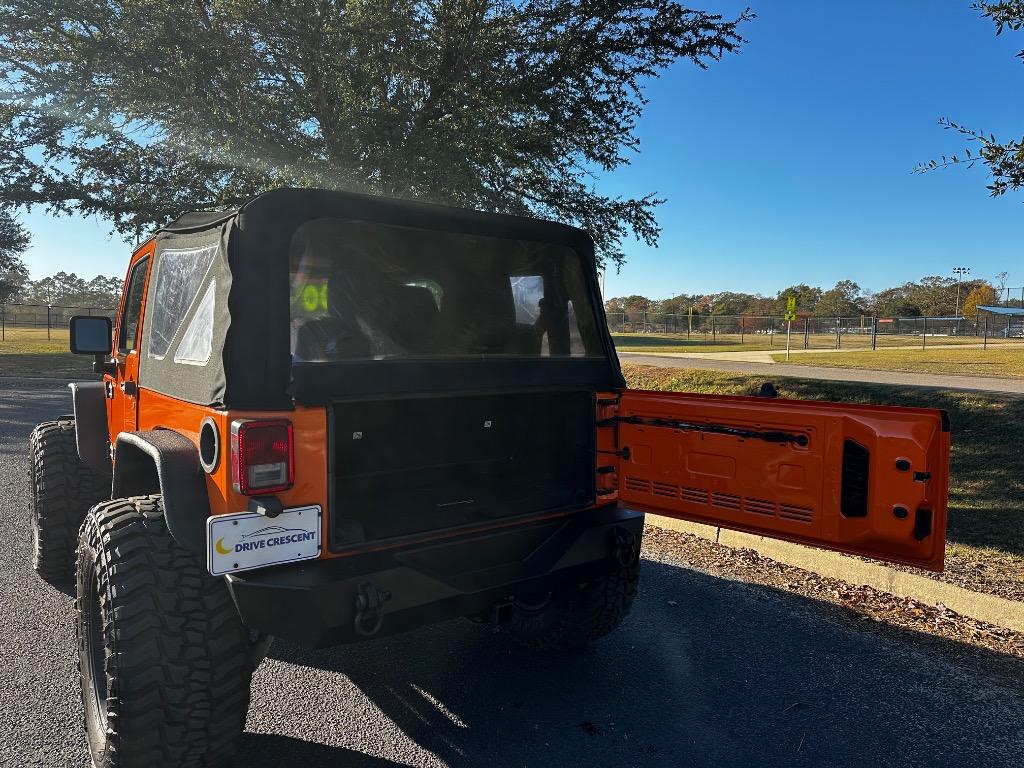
(638, 484)
(725, 501)
(759, 507)
(694, 495)
(854, 494)
(666, 489)
(793, 512)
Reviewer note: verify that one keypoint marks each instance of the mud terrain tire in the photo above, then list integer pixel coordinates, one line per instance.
(573, 617)
(63, 489)
(165, 662)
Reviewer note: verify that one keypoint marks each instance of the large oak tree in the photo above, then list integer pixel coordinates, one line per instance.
(14, 241)
(134, 110)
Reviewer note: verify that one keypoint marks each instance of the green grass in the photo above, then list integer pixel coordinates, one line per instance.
(22, 333)
(30, 353)
(965, 362)
(656, 342)
(985, 536)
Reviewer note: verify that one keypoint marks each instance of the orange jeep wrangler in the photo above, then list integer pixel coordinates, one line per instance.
(326, 417)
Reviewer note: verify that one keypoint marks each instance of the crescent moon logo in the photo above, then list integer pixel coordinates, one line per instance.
(219, 546)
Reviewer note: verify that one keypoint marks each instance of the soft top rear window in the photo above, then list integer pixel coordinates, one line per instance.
(362, 291)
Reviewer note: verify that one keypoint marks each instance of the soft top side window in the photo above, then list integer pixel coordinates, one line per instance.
(176, 283)
(128, 331)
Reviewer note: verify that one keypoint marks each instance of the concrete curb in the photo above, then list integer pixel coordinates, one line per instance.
(976, 605)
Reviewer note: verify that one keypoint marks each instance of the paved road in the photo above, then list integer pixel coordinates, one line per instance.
(975, 383)
(706, 672)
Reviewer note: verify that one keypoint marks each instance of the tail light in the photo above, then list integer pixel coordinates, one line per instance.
(262, 455)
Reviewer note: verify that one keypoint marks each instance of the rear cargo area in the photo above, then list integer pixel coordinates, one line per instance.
(412, 465)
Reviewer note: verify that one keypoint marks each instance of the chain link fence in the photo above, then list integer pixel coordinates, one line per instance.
(42, 321)
(654, 329)
(1010, 297)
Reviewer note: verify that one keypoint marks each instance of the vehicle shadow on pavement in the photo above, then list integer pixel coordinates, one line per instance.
(705, 672)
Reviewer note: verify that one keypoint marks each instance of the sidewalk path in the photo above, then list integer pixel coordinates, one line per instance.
(704, 362)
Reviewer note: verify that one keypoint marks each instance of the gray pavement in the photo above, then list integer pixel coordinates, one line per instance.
(974, 383)
(706, 672)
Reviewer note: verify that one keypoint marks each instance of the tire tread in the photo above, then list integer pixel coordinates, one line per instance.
(177, 661)
(63, 489)
(580, 616)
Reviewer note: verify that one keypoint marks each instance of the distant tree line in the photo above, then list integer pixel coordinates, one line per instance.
(931, 296)
(69, 290)
(62, 289)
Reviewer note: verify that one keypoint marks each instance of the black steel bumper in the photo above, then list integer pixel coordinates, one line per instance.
(324, 602)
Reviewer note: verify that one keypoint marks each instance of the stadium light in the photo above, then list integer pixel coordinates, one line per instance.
(959, 272)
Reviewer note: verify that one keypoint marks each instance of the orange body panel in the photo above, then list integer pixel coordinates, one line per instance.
(311, 454)
(122, 409)
(148, 410)
(783, 489)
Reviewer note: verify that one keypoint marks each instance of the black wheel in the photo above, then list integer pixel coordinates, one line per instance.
(573, 616)
(63, 488)
(164, 659)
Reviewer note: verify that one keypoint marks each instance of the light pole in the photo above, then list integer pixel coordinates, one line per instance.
(959, 272)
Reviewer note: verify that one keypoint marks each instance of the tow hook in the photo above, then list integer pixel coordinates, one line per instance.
(625, 549)
(370, 601)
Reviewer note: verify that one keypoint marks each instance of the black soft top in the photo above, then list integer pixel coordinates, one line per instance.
(250, 363)
(194, 221)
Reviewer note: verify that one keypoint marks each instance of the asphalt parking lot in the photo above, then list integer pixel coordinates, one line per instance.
(706, 672)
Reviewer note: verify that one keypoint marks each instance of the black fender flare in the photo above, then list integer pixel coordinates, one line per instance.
(89, 400)
(166, 462)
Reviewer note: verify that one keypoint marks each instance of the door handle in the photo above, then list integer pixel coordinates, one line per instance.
(129, 387)
(108, 389)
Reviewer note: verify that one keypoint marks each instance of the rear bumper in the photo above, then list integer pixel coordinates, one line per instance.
(315, 603)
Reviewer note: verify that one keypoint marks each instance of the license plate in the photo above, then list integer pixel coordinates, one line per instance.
(247, 540)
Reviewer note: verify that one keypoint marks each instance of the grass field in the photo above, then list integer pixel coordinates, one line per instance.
(27, 333)
(972, 362)
(27, 352)
(656, 342)
(757, 342)
(986, 520)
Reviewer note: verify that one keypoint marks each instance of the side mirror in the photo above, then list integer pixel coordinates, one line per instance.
(93, 336)
(90, 335)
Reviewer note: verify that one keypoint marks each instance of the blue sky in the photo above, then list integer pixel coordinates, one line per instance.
(790, 162)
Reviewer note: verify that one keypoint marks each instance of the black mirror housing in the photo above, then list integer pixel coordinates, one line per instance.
(91, 335)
